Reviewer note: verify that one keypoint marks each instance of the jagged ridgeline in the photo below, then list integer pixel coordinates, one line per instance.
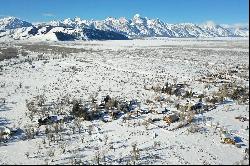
(113, 29)
(17, 29)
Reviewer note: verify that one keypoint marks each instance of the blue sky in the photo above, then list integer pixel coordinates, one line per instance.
(171, 11)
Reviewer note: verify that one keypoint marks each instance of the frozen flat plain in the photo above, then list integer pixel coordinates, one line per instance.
(123, 69)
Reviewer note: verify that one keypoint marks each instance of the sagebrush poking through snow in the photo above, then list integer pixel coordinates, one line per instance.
(148, 101)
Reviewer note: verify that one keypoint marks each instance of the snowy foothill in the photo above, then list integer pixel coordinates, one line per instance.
(142, 101)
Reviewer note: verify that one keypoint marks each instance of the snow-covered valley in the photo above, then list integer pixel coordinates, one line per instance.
(205, 82)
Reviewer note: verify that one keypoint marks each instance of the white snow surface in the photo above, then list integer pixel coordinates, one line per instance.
(121, 69)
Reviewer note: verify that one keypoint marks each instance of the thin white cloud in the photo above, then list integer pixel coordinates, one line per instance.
(210, 22)
(236, 25)
(241, 24)
(233, 25)
(48, 14)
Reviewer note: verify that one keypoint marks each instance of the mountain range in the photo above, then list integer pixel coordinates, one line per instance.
(113, 29)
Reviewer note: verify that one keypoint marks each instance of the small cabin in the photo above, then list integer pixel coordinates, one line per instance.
(227, 139)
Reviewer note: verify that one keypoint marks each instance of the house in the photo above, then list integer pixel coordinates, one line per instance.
(171, 118)
(227, 138)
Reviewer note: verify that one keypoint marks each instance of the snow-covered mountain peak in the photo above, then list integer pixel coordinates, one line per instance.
(123, 20)
(138, 26)
(137, 19)
(68, 21)
(54, 23)
(9, 18)
(210, 25)
(137, 16)
(110, 18)
(12, 23)
(77, 19)
(155, 21)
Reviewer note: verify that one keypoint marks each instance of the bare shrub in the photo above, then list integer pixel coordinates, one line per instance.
(157, 144)
(24, 53)
(31, 106)
(135, 153)
(63, 147)
(30, 132)
(51, 152)
(97, 158)
(233, 91)
(106, 139)
(78, 124)
(146, 123)
(41, 99)
(90, 129)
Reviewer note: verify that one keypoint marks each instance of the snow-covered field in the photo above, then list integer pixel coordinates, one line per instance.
(125, 70)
